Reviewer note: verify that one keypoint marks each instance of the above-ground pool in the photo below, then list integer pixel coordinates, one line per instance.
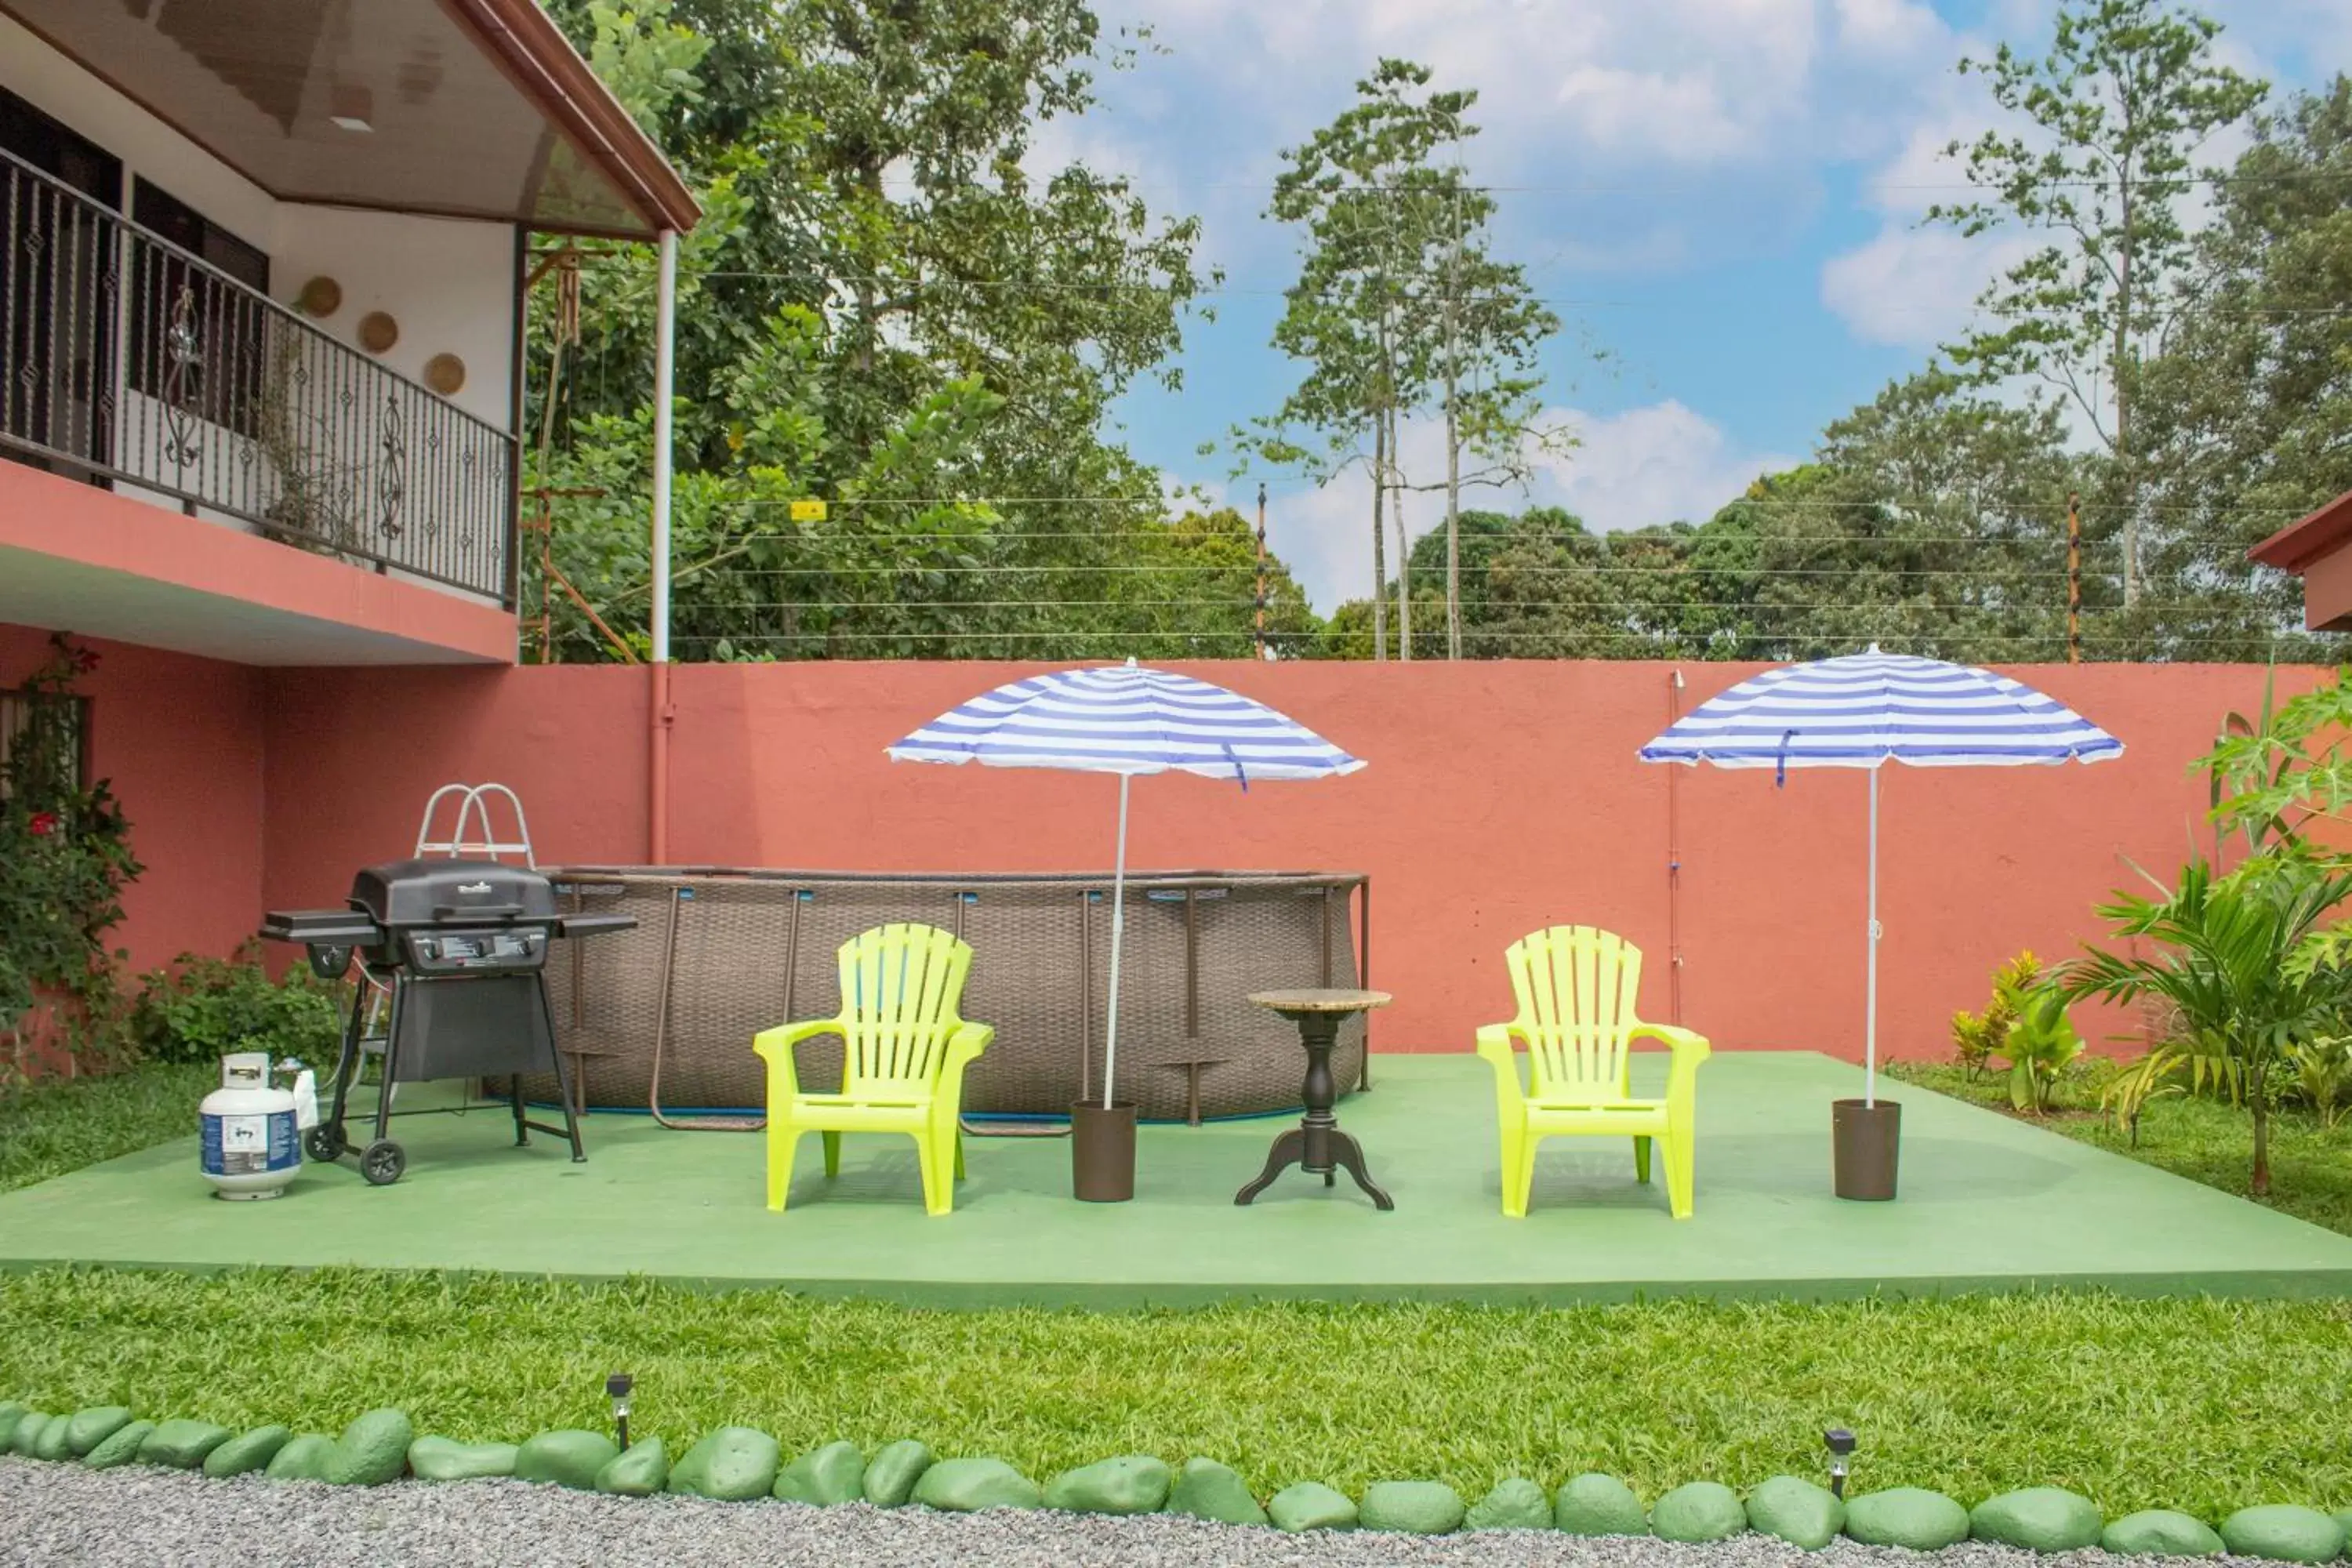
(719, 955)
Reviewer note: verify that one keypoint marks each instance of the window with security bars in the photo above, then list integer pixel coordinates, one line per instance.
(16, 710)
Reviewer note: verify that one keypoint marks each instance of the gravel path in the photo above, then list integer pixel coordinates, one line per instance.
(55, 1514)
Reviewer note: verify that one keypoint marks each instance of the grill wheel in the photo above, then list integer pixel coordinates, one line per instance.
(383, 1163)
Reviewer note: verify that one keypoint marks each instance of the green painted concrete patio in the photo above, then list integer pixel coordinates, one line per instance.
(1987, 1202)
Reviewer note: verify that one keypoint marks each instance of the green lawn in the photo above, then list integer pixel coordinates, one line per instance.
(2207, 1141)
(2201, 1405)
(55, 1126)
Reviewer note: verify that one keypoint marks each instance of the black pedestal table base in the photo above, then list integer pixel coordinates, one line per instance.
(1315, 1145)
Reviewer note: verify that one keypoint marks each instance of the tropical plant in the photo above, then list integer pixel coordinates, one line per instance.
(1974, 1037)
(2233, 959)
(2155, 1076)
(2273, 776)
(1979, 1035)
(2323, 1076)
(2041, 1044)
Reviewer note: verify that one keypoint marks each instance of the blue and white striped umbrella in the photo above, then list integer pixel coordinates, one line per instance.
(1866, 708)
(1865, 711)
(1125, 719)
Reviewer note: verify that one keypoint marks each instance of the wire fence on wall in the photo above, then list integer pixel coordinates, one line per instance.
(1983, 599)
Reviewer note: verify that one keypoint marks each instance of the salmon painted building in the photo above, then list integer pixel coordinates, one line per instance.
(263, 274)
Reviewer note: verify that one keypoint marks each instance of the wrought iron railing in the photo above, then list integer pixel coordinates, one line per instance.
(127, 359)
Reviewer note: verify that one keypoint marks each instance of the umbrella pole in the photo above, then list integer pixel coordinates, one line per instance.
(1870, 985)
(1117, 926)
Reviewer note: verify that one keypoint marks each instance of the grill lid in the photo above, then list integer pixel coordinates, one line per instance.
(451, 892)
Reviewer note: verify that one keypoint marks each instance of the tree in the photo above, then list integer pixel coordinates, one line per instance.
(1348, 316)
(1398, 302)
(1930, 519)
(2243, 412)
(1935, 522)
(890, 307)
(2117, 111)
(1200, 602)
(1491, 328)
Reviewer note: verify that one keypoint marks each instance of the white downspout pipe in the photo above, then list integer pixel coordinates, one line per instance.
(1870, 985)
(1118, 931)
(663, 712)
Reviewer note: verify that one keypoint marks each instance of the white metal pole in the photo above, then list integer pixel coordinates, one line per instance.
(1870, 987)
(1118, 925)
(664, 373)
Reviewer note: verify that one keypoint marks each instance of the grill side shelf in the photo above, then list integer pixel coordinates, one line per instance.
(321, 928)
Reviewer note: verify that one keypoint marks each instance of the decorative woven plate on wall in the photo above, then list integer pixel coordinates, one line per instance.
(378, 331)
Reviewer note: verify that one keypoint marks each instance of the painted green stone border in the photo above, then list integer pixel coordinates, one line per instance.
(376, 1448)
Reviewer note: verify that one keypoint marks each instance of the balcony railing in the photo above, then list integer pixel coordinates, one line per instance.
(127, 359)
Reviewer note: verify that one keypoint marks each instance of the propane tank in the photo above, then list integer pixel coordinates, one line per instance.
(251, 1149)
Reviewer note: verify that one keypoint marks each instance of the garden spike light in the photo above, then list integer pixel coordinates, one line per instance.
(617, 1389)
(1840, 1443)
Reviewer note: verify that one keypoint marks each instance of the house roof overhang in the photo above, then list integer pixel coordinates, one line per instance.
(2294, 547)
(462, 107)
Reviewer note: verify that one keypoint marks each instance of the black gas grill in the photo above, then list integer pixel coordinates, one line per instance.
(459, 948)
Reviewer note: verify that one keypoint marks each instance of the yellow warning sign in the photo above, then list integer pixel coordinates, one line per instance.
(808, 511)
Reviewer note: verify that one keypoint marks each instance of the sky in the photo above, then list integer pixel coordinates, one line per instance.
(1720, 198)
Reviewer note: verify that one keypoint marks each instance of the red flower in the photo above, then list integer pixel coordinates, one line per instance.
(84, 660)
(43, 823)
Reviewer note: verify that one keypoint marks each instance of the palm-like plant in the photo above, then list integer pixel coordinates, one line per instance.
(2234, 960)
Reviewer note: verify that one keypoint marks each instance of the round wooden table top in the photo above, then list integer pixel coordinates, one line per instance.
(1321, 1001)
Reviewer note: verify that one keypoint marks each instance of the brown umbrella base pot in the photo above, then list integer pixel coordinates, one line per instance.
(1866, 1142)
(1102, 1152)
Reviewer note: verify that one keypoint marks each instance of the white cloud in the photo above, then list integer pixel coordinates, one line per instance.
(1890, 29)
(1643, 80)
(1924, 173)
(1914, 288)
(1679, 117)
(1661, 463)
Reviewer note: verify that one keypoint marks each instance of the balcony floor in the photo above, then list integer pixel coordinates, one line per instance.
(76, 557)
(1987, 1202)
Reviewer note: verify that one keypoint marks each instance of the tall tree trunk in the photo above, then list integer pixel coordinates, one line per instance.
(2118, 374)
(1380, 542)
(1403, 542)
(1453, 522)
(1453, 449)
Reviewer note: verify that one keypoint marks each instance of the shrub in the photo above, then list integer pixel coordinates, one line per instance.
(2323, 1076)
(65, 859)
(1979, 1035)
(2041, 1044)
(2153, 1077)
(206, 1007)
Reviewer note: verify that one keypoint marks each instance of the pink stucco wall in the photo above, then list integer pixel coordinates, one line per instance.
(1501, 796)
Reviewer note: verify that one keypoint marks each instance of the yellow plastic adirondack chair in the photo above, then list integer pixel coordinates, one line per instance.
(903, 1052)
(1577, 986)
